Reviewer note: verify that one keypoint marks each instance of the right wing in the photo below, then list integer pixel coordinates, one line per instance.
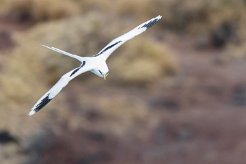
(64, 53)
(61, 83)
(117, 42)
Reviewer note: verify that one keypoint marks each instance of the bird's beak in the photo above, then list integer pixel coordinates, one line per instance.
(104, 77)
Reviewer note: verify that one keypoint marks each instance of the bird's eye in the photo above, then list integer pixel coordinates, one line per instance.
(100, 72)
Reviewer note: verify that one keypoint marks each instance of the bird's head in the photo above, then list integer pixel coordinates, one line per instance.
(104, 73)
(103, 70)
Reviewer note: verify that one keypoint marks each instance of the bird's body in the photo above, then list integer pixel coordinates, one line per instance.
(95, 64)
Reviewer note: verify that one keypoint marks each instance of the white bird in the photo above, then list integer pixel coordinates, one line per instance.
(96, 64)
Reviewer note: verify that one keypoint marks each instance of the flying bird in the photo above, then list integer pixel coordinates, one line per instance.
(95, 64)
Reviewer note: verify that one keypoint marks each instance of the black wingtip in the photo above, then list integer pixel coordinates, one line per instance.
(151, 22)
(45, 101)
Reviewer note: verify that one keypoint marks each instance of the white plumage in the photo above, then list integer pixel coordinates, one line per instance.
(96, 64)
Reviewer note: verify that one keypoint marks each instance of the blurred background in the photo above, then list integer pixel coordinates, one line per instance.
(175, 94)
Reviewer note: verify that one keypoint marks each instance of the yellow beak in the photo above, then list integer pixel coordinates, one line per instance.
(104, 77)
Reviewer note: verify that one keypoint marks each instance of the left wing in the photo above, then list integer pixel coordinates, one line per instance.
(116, 43)
(61, 83)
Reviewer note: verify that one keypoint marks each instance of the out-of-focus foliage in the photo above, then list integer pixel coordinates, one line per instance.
(143, 61)
(35, 10)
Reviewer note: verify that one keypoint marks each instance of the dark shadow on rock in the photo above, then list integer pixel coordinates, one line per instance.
(6, 137)
(222, 35)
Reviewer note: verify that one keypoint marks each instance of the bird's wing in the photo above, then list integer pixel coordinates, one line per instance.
(64, 52)
(61, 83)
(117, 42)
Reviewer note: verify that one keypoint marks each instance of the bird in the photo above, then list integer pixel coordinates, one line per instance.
(95, 64)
